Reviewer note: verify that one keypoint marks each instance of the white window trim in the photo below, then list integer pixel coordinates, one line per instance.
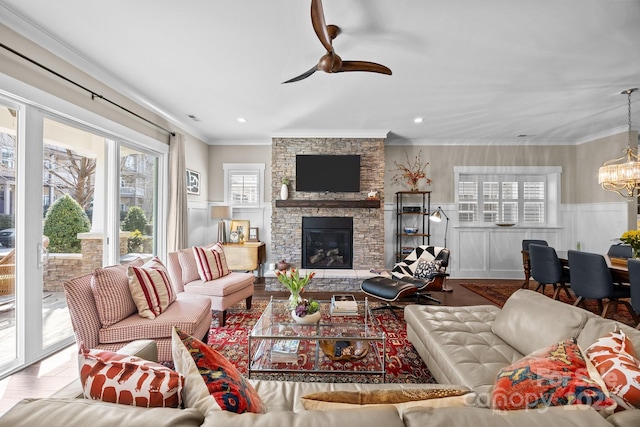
(244, 167)
(553, 174)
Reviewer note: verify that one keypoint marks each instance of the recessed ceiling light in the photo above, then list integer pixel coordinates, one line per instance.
(241, 120)
(418, 120)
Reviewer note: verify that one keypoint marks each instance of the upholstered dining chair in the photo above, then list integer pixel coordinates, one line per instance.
(634, 285)
(546, 269)
(591, 279)
(620, 251)
(525, 259)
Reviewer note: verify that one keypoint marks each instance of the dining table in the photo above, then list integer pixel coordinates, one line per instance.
(617, 266)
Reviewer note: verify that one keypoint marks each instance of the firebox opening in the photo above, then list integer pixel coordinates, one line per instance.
(327, 242)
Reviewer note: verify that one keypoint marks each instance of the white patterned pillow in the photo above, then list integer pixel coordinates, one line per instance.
(110, 287)
(151, 288)
(128, 380)
(211, 262)
(427, 269)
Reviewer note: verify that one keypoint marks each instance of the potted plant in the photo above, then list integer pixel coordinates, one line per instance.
(307, 311)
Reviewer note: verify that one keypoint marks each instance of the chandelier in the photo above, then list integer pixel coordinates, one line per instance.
(622, 175)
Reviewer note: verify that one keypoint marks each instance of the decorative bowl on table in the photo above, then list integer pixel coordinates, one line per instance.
(411, 230)
(344, 350)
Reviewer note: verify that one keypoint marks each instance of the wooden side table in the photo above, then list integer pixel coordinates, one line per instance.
(247, 256)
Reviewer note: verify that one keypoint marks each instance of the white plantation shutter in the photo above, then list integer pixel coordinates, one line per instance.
(244, 184)
(513, 198)
(468, 196)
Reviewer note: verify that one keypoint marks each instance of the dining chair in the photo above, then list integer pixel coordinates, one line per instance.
(546, 269)
(525, 259)
(591, 279)
(634, 285)
(620, 250)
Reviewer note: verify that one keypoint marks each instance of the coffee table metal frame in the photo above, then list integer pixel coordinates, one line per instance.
(276, 324)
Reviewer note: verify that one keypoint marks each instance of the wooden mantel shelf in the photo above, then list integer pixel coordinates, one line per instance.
(365, 204)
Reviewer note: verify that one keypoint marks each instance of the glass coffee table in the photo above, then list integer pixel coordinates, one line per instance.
(336, 344)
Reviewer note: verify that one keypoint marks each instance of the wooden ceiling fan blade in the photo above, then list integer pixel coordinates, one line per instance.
(372, 67)
(320, 25)
(303, 75)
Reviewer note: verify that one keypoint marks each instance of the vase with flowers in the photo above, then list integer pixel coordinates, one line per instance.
(412, 172)
(632, 238)
(294, 283)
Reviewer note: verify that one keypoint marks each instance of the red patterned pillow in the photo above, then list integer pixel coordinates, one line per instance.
(129, 380)
(212, 382)
(151, 288)
(554, 376)
(615, 359)
(211, 262)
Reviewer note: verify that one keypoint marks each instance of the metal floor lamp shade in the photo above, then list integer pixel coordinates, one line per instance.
(222, 213)
(437, 217)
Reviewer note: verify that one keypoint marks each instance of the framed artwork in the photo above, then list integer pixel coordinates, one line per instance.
(253, 234)
(241, 226)
(193, 182)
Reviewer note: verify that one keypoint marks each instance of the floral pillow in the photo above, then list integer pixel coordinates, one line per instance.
(427, 269)
(553, 376)
(212, 382)
(128, 380)
(615, 359)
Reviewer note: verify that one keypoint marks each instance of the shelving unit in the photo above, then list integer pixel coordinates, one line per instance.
(421, 202)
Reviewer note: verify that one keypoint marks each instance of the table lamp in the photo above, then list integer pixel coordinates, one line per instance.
(222, 213)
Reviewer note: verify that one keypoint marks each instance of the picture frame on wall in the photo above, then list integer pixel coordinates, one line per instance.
(253, 234)
(193, 182)
(241, 226)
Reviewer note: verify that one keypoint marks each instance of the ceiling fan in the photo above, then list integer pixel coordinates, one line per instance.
(331, 62)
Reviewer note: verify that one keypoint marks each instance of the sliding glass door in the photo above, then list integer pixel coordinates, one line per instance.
(73, 198)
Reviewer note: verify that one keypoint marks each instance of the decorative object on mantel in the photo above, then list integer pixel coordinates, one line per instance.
(295, 284)
(283, 265)
(622, 175)
(412, 172)
(284, 189)
(373, 195)
(632, 238)
(307, 312)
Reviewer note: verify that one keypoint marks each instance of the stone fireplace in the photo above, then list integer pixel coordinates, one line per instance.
(367, 216)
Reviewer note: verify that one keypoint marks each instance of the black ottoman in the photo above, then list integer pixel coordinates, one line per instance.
(387, 289)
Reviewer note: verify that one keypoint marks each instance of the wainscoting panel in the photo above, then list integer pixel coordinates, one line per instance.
(472, 254)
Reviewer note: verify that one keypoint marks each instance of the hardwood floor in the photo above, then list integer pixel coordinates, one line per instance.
(44, 378)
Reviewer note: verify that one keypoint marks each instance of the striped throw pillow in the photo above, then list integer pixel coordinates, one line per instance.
(128, 380)
(151, 288)
(211, 262)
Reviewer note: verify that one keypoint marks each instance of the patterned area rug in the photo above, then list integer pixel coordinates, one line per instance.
(498, 294)
(403, 365)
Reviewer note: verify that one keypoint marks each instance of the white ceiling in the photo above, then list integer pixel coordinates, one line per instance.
(476, 71)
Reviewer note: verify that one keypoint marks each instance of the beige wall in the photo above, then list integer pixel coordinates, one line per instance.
(219, 154)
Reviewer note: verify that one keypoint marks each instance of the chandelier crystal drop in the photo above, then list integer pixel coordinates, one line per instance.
(622, 175)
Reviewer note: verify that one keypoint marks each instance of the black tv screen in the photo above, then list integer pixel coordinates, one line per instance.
(333, 173)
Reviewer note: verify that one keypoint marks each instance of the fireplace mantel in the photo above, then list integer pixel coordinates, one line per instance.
(365, 204)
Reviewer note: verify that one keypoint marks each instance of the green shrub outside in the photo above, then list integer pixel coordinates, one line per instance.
(6, 221)
(62, 223)
(135, 220)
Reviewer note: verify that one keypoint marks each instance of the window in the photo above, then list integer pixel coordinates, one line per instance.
(244, 184)
(523, 196)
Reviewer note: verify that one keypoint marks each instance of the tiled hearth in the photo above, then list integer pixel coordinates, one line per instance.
(325, 280)
(368, 219)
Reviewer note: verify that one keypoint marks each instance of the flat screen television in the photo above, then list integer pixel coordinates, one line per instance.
(328, 173)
